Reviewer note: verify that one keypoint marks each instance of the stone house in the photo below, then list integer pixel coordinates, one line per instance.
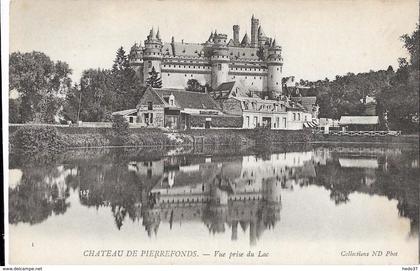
(236, 99)
(180, 109)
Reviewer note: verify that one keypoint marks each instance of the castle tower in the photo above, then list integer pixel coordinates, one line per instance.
(236, 35)
(152, 56)
(274, 70)
(135, 59)
(254, 31)
(219, 60)
(272, 190)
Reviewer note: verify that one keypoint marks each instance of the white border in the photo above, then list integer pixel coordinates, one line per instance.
(5, 118)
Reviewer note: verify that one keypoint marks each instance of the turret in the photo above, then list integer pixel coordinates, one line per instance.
(135, 59)
(152, 56)
(220, 60)
(254, 31)
(274, 70)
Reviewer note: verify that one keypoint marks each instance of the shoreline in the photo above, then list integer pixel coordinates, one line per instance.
(35, 138)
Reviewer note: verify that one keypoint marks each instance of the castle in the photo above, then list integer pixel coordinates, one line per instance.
(255, 61)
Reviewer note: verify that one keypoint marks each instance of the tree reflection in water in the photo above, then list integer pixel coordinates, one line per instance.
(221, 191)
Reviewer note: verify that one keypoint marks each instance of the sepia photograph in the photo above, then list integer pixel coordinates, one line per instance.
(210, 132)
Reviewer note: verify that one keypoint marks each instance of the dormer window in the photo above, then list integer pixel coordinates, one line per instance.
(171, 100)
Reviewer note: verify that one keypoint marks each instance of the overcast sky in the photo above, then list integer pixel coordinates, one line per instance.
(319, 38)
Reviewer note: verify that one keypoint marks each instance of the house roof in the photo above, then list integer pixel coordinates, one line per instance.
(188, 99)
(197, 50)
(360, 120)
(183, 49)
(306, 102)
(124, 112)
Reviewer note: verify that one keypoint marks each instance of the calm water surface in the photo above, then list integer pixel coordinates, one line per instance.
(300, 204)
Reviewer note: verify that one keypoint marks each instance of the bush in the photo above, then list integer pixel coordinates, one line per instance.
(37, 138)
(120, 130)
(119, 126)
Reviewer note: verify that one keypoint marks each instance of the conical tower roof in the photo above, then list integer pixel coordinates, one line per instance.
(152, 33)
(245, 40)
(158, 34)
(211, 37)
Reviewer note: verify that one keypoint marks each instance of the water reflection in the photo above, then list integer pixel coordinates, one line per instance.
(226, 193)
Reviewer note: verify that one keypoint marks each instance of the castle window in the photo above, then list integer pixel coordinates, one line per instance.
(277, 83)
(246, 77)
(164, 65)
(168, 74)
(219, 67)
(150, 63)
(255, 77)
(243, 54)
(149, 105)
(277, 68)
(185, 75)
(294, 116)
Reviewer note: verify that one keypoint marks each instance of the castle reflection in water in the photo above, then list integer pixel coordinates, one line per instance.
(222, 191)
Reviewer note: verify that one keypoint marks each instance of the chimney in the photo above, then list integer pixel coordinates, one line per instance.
(236, 34)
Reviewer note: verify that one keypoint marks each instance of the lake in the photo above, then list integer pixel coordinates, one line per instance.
(314, 204)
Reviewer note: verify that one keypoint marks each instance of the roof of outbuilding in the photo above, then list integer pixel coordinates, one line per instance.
(124, 112)
(189, 99)
(361, 120)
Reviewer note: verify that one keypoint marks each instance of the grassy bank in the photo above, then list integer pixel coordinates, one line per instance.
(35, 138)
(39, 138)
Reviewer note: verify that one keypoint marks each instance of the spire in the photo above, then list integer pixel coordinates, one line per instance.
(158, 34)
(210, 37)
(152, 33)
(252, 16)
(245, 40)
(215, 32)
(274, 43)
(260, 32)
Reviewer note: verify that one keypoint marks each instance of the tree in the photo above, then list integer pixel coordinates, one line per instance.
(154, 80)
(39, 82)
(411, 43)
(14, 112)
(194, 86)
(400, 99)
(127, 88)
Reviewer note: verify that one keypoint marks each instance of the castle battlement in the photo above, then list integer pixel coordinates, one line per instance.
(256, 61)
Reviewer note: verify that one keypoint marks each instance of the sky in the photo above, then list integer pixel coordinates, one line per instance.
(320, 38)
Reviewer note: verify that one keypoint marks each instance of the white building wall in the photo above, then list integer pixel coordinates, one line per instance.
(179, 80)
